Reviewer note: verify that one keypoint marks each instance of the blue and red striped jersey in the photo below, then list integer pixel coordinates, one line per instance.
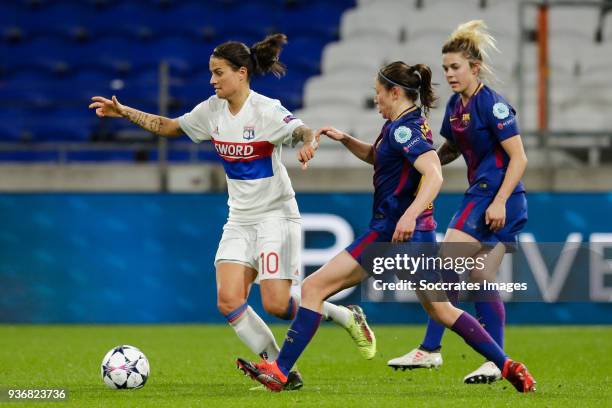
(396, 181)
(477, 129)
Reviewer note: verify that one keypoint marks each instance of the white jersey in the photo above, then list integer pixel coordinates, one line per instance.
(249, 145)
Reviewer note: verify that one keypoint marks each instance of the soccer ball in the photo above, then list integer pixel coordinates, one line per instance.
(125, 367)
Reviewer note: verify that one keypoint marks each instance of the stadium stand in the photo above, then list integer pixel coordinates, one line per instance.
(579, 92)
(56, 54)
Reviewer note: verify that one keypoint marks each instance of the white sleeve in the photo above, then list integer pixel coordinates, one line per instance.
(280, 124)
(197, 123)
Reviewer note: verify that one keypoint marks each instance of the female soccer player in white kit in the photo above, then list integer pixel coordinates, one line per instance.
(262, 237)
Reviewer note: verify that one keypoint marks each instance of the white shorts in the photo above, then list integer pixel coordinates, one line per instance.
(271, 247)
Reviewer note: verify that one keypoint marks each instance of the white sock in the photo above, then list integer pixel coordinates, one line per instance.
(254, 332)
(338, 314)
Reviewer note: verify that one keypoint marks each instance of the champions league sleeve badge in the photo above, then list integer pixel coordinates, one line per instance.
(402, 134)
(500, 110)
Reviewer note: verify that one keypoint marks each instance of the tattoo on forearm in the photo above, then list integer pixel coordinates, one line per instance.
(156, 124)
(152, 123)
(301, 134)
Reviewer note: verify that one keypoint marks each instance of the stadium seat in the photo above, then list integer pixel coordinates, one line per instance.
(374, 23)
(303, 54)
(11, 123)
(339, 89)
(45, 54)
(419, 52)
(197, 19)
(584, 115)
(367, 125)
(24, 94)
(11, 13)
(350, 55)
(122, 19)
(53, 19)
(594, 58)
(265, 17)
(579, 20)
(59, 125)
(320, 21)
(287, 89)
(446, 18)
(340, 117)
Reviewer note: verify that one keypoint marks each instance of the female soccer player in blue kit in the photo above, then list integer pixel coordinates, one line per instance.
(480, 125)
(407, 178)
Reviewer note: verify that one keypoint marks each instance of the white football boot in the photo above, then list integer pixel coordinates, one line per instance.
(485, 374)
(417, 358)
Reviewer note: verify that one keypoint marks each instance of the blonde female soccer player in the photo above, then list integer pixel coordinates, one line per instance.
(480, 125)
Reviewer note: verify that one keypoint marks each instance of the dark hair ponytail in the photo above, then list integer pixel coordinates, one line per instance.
(260, 59)
(414, 80)
(426, 93)
(265, 55)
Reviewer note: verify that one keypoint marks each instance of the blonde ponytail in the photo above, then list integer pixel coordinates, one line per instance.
(474, 41)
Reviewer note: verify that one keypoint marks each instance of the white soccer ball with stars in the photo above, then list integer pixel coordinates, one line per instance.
(125, 367)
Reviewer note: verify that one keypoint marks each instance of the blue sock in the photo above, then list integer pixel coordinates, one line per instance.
(299, 335)
(435, 330)
(474, 335)
(492, 315)
(433, 335)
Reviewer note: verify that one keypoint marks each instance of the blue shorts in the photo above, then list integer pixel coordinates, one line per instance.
(423, 243)
(470, 218)
(371, 236)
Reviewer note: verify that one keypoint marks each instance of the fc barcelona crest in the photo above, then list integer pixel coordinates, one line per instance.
(248, 133)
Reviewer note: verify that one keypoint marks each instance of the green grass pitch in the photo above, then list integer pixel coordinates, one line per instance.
(193, 365)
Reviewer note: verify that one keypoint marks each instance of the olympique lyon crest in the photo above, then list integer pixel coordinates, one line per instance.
(248, 133)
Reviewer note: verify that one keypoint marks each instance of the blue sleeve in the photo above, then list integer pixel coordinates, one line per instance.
(409, 141)
(446, 130)
(501, 118)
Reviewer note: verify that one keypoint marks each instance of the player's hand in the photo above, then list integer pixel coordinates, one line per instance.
(107, 107)
(495, 216)
(307, 151)
(332, 133)
(404, 228)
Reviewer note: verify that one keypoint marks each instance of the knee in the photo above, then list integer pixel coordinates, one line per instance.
(227, 303)
(311, 291)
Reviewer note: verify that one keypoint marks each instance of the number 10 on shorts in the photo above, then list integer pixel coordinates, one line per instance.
(268, 262)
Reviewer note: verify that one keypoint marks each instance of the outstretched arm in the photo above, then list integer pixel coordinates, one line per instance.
(363, 151)
(153, 123)
(448, 152)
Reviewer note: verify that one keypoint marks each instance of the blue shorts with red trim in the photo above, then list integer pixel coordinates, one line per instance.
(358, 246)
(470, 218)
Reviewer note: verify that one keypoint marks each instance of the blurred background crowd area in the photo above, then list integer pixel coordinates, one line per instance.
(554, 67)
